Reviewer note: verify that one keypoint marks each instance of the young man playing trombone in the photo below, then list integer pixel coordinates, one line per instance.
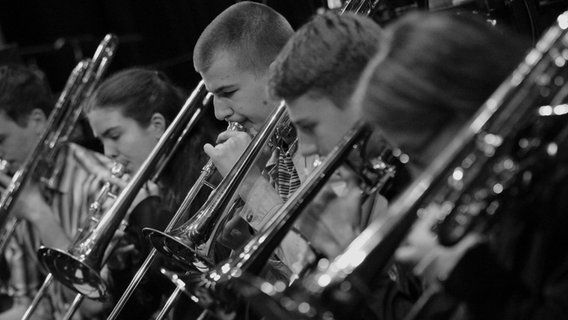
(316, 73)
(233, 55)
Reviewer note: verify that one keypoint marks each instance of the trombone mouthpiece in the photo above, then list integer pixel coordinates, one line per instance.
(117, 169)
(234, 126)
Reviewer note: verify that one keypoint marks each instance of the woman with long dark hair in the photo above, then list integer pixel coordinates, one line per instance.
(129, 112)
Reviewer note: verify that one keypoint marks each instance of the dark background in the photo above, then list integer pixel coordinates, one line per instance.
(55, 34)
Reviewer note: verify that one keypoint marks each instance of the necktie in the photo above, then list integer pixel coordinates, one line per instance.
(283, 174)
(287, 179)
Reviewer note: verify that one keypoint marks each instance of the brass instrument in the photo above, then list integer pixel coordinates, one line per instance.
(179, 289)
(10, 226)
(192, 243)
(95, 210)
(250, 260)
(206, 172)
(520, 128)
(7, 223)
(79, 267)
(364, 7)
(60, 124)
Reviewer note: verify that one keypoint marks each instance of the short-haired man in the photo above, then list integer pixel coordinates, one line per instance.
(316, 73)
(233, 56)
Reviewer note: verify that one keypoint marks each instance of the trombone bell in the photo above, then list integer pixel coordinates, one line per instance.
(178, 245)
(176, 248)
(193, 242)
(73, 272)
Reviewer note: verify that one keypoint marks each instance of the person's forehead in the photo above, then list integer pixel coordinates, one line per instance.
(106, 113)
(225, 71)
(102, 118)
(301, 109)
(223, 66)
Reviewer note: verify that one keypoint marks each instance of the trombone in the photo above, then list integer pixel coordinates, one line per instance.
(80, 85)
(192, 243)
(469, 179)
(107, 192)
(206, 172)
(79, 267)
(250, 260)
(365, 7)
(60, 124)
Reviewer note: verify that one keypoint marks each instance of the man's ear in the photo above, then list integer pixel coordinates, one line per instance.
(158, 125)
(37, 120)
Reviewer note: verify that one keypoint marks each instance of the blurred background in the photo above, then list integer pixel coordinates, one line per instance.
(55, 34)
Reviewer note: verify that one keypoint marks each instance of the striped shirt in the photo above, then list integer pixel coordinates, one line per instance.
(80, 175)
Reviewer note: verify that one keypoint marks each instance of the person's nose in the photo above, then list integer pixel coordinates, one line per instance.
(222, 109)
(307, 145)
(110, 150)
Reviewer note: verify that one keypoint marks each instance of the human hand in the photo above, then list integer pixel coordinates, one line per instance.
(30, 205)
(430, 260)
(331, 221)
(235, 233)
(119, 183)
(230, 146)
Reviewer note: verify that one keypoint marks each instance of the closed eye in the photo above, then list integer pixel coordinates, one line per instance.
(307, 127)
(227, 94)
(112, 134)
